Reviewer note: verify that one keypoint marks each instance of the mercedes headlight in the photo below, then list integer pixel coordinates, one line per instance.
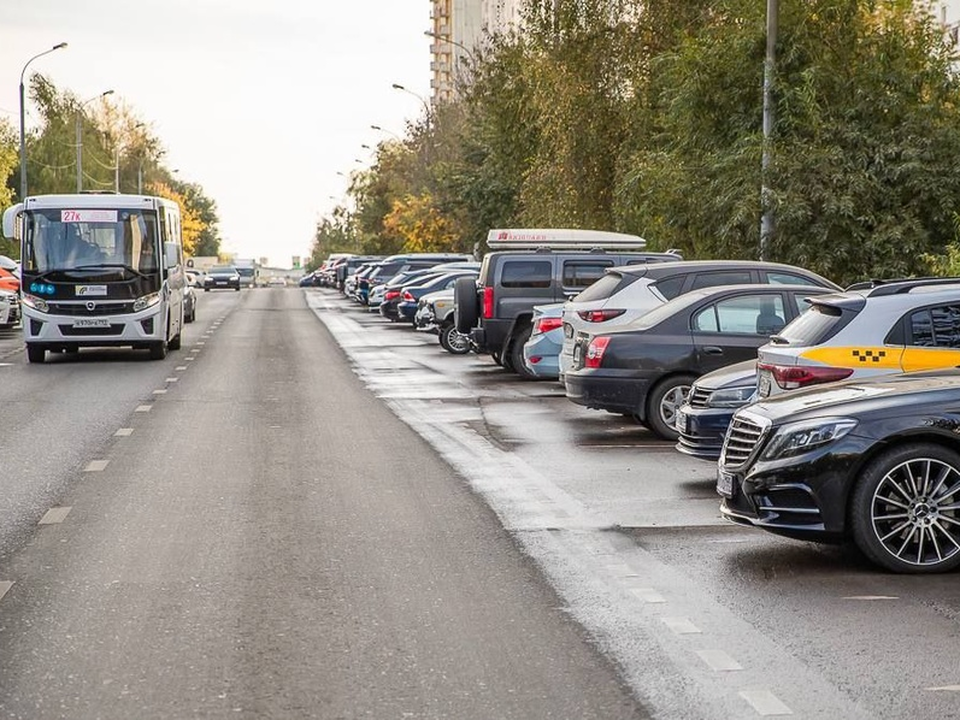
(38, 304)
(801, 437)
(142, 303)
(731, 397)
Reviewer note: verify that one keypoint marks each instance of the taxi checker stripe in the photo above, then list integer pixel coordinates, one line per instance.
(868, 355)
(877, 357)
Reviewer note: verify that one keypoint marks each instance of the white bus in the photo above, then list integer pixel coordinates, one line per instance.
(99, 270)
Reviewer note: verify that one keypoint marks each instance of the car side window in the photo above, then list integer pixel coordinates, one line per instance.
(526, 274)
(670, 287)
(581, 274)
(784, 278)
(936, 327)
(749, 315)
(724, 277)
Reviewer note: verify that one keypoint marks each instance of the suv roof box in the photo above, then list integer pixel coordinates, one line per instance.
(561, 239)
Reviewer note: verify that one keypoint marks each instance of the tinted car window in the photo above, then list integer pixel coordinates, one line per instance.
(784, 278)
(724, 277)
(605, 287)
(581, 274)
(814, 326)
(936, 327)
(670, 287)
(526, 274)
(751, 315)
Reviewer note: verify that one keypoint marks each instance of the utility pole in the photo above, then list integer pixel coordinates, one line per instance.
(767, 219)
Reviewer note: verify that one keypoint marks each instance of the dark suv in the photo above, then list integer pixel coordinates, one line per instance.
(497, 309)
(390, 266)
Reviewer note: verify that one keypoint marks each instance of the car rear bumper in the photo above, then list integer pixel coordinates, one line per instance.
(607, 392)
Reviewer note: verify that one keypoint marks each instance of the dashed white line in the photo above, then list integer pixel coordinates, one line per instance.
(870, 598)
(681, 625)
(765, 702)
(944, 688)
(719, 661)
(96, 466)
(124, 432)
(189, 359)
(201, 343)
(159, 392)
(143, 408)
(648, 595)
(181, 367)
(5, 586)
(54, 516)
(172, 380)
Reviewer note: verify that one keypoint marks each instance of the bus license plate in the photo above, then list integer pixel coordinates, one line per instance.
(725, 484)
(92, 323)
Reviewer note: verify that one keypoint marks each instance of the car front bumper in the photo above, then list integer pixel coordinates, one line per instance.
(702, 431)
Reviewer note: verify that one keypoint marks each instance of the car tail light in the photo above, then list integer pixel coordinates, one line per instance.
(487, 303)
(408, 297)
(391, 295)
(546, 324)
(598, 316)
(598, 346)
(791, 377)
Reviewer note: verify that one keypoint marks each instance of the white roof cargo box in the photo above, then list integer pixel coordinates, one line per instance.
(562, 239)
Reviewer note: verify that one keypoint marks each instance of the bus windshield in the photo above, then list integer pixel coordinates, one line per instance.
(60, 239)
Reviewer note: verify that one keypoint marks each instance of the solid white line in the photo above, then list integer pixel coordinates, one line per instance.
(945, 688)
(5, 586)
(871, 597)
(124, 432)
(681, 625)
(765, 702)
(159, 392)
(648, 595)
(96, 466)
(54, 516)
(719, 661)
(143, 408)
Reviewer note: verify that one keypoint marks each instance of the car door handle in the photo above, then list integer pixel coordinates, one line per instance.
(712, 350)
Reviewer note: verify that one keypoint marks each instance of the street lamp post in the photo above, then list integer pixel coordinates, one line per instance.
(426, 121)
(23, 137)
(767, 220)
(80, 136)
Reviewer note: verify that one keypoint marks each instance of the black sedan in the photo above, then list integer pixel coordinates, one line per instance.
(877, 460)
(703, 419)
(646, 368)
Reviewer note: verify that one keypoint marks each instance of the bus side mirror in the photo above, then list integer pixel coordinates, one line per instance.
(11, 217)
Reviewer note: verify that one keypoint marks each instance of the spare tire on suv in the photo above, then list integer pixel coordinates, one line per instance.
(466, 309)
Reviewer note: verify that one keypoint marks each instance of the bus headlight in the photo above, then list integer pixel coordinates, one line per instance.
(142, 303)
(38, 304)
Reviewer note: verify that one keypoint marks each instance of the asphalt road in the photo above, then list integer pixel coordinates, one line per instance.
(244, 530)
(704, 619)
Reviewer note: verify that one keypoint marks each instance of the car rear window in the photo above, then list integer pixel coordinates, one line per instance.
(818, 324)
(605, 287)
(526, 274)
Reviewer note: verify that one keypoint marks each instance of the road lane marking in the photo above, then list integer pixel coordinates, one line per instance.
(719, 661)
(173, 379)
(945, 688)
(181, 367)
(869, 598)
(681, 625)
(200, 343)
(189, 359)
(159, 392)
(620, 570)
(54, 516)
(143, 408)
(5, 586)
(96, 466)
(124, 432)
(765, 702)
(648, 595)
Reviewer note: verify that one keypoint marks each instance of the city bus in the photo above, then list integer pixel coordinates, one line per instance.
(99, 270)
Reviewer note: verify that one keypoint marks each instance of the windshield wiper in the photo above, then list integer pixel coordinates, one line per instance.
(102, 266)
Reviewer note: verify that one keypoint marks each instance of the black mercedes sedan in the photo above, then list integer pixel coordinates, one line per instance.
(875, 460)
(646, 368)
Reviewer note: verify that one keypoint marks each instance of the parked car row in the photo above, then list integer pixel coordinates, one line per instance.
(833, 415)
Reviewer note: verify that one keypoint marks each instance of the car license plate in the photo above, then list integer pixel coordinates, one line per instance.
(726, 484)
(683, 422)
(764, 384)
(577, 352)
(92, 323)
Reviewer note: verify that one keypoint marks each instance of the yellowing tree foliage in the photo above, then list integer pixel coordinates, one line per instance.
(190, 223)
(421, 225)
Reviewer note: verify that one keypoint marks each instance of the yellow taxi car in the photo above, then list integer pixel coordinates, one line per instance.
(869, 329)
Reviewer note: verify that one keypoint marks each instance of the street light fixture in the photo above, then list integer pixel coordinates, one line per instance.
(80, 136)
(447, 39)
(23, 137)
(388, 132)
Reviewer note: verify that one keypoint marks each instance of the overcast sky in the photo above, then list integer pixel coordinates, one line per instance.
(260, 102)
